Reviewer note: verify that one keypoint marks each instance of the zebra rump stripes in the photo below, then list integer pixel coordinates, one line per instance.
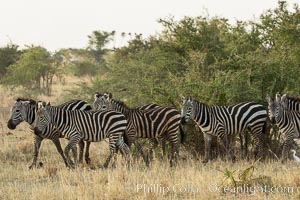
(84, 125)
(223, 121)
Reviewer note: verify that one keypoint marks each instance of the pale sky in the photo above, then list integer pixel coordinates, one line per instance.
(56, 24)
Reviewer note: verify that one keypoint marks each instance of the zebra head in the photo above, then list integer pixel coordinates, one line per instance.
(274, 107)
(43, 118)
(22, 110)
(102, 101)
(187, 109)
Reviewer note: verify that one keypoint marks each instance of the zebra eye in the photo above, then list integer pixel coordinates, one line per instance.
(104, 107)
(17, 110)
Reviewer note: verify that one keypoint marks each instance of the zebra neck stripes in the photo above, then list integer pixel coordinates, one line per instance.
(120, 107)
(290, 103)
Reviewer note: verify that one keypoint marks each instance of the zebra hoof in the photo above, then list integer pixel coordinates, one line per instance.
(40, 165)
(71, 165)
(105, 165)
(88, 161)
(31, 166)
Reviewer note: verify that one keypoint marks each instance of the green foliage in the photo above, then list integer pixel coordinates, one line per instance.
(83, 68)
(97, 42)
(8, 56)
(33, 71)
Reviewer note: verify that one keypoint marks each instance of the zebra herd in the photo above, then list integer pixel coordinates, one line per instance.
(81, 124)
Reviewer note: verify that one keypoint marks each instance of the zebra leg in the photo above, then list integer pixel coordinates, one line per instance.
(246, 143)
(175, 149)
(74, 152)
(81, 148)
(120, 144)
(258, 139)
(207, 143)
(163, 146)
(286, 147)
(140, 149)
(60, 150)
(87, 153)
(72, 145)
(113, 138)
(124, 150)
(225, 145)
(153, 145)
(37, 144)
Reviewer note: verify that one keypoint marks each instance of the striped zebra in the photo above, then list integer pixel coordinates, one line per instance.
(153, 141)
(84, 125)
(287, 120)
(290, 103)
(149, 121)
(223, 121)
(25, 110)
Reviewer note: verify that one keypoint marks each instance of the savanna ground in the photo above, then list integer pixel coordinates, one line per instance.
(190, 179)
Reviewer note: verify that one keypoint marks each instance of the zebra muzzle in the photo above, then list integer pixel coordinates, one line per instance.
(183, 120)
(11, 125)
(272, 119)
(37, 131)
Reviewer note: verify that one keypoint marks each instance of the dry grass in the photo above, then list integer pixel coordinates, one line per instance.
(189, 180)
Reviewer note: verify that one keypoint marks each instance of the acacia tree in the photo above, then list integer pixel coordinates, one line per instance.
(97, 42)
(34, 71)
(8, 55)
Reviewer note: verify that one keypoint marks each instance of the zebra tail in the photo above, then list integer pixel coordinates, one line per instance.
(266, 130)
(126, 141)
(182, 134)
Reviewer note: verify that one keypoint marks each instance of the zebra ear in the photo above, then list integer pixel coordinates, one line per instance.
(40, 104)
(278, 97)
(96, 96)
(268, 98)
(183, 99)
(283, 98)
(107, 96)
(48, 104)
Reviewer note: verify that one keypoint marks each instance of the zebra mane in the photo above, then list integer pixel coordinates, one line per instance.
(295, 99)
(121, 103)
(31, 101)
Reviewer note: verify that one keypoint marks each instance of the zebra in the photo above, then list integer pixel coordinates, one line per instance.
(149, 121)
(287, 120)
(290, 103)
(92, 126)
(223, 121)
(153, 141)
(25, 110)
